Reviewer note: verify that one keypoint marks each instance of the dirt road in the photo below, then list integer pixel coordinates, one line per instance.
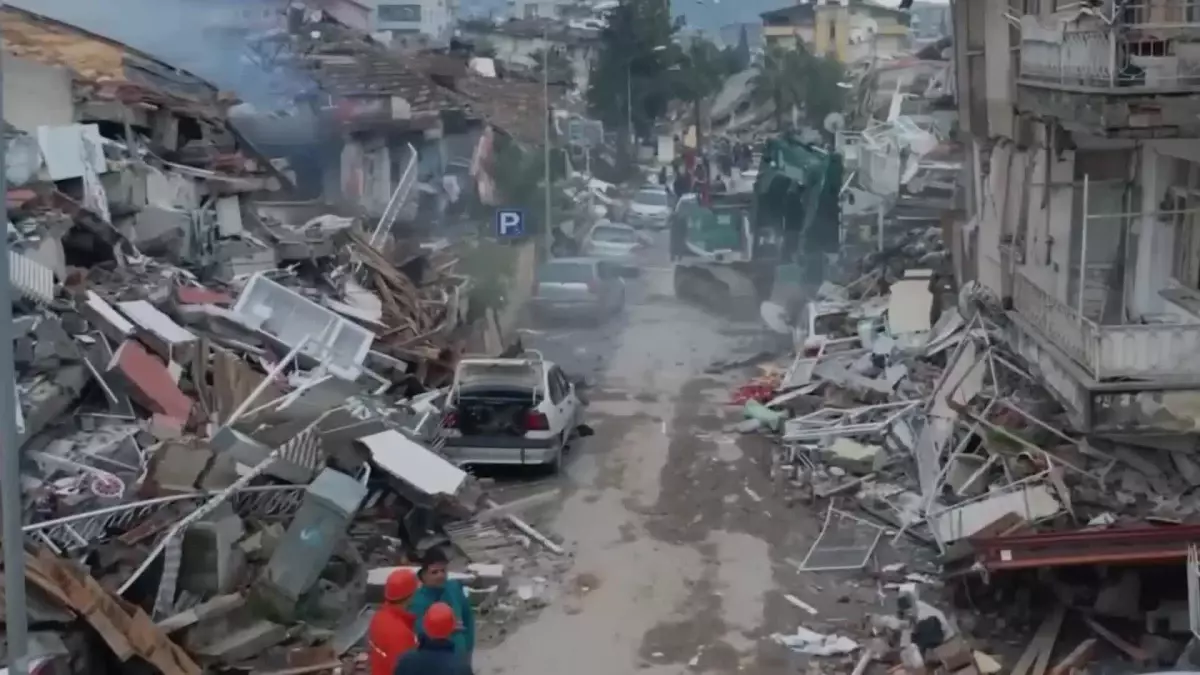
(681, 553)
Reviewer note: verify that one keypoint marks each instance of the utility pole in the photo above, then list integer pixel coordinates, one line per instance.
(548, 222)
(17, 624)
(629, 102)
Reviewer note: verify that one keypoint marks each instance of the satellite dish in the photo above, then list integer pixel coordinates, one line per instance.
(835, 122)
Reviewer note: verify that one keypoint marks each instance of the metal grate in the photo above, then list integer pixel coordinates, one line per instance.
(846, 542)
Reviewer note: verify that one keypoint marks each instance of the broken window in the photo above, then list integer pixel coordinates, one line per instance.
(1182, 206)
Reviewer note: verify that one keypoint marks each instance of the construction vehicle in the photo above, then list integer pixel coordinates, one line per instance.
(737, 243)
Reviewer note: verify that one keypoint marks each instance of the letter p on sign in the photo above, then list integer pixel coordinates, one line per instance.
(510, 223)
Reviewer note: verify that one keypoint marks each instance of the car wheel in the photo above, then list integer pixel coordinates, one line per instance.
(556, 465)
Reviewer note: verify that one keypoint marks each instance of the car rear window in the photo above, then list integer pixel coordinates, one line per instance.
(651, 197)
(567, 273)
(617, 235)
(499, 376)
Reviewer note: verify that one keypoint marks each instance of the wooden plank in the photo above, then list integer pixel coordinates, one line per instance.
(1139, 655)
(1077, 657)
(1048, 637)
(1034, 649)
(83, 600)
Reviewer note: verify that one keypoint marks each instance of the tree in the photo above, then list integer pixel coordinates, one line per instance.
(520, 179)
(628, 74)
(780, 80)
(700, 71)
(823, 93)
(742, 51)
(794, 78)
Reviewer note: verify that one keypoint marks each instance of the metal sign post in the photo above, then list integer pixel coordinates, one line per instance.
(17, 622)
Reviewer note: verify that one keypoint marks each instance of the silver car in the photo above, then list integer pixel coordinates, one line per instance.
(578, 288)
(614, 241)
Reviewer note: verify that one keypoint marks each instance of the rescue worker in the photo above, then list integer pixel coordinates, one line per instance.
(393, 632)
(435, 655)
(437, 586)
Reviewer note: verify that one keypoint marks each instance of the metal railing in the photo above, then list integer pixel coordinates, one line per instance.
(1153, 14)
(1108, 351)
(75, 532)
(1099, 52)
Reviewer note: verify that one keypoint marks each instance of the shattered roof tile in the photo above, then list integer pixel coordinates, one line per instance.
(515, 107)
(376, 73)
(100, 62)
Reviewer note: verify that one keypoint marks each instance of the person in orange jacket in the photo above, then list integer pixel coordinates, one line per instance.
(393, 628)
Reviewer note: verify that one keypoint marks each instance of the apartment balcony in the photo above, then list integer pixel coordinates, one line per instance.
(1134, 71)
(1136, 351)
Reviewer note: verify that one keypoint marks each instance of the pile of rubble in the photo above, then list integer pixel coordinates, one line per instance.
(907, 420)
(224, 454)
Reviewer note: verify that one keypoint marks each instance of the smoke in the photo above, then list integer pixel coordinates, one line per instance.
(212, 39)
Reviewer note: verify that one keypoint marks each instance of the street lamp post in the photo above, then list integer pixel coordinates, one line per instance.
(548, 220)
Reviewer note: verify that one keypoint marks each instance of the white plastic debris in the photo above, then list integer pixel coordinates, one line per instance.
(806, 641)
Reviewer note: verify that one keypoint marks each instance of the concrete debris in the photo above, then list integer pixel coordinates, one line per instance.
(908, 415)
(245, 397)
(810, 642)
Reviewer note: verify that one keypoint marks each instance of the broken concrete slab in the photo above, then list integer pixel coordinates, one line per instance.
(1031, 501)
(244, 643)
(414, 464)
(168, 339)
(105, 317)
(149, 381)
(856, 458)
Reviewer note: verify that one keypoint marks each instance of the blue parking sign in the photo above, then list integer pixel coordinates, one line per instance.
(510, 223)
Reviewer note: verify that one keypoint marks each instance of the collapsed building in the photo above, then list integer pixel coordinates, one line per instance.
(1030, 434)
(219, 375)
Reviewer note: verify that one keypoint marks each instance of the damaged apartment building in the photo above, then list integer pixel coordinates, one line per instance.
(372, 119)
(205, 382)
(113, 155)
(1082, 223)
(129, 147)
(1083, 125)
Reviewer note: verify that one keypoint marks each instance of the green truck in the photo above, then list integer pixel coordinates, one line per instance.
(738, 244)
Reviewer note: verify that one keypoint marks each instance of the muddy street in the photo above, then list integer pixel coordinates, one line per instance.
(679, 549)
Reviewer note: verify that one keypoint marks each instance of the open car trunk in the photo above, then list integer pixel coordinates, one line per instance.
(494, 411)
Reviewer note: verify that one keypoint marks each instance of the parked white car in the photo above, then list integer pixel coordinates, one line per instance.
(615, 242)
(517, 411)
(650, 207)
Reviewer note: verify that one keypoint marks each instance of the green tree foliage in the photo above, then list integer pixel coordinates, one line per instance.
(790, 78)
(520, 179)
(633, 57)
(742, 51)
(700, 70)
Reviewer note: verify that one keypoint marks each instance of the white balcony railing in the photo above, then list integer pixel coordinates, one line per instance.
(1090, 51)
(1134, 350)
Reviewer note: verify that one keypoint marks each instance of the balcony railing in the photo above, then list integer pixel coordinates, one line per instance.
(1095, 52)
(1135, 350)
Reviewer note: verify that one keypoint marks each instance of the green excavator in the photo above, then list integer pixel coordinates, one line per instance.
(739, 244)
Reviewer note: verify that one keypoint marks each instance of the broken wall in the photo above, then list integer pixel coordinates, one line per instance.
(1049, 217)
(990, 219)
(37, 95)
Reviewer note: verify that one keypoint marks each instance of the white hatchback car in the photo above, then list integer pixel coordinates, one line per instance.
(521, 411)
(650, 208)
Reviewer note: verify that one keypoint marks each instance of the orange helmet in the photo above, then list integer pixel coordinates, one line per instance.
(439, 621)
(400, 585)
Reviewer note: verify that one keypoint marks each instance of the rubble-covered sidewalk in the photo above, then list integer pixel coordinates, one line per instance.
(906, 420)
